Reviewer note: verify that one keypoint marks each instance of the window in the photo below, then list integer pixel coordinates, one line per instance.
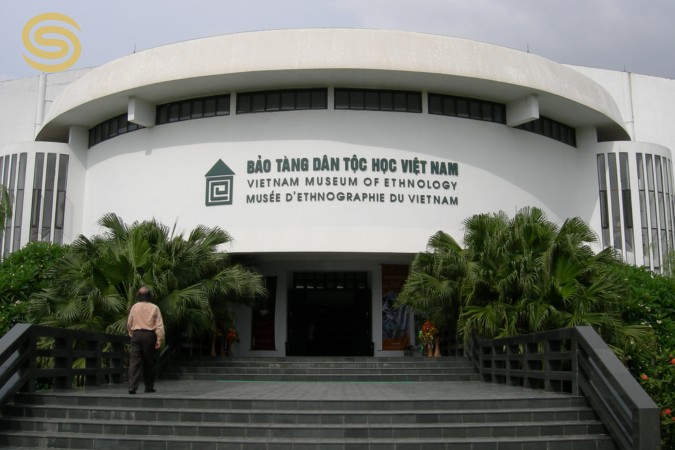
(48, 201)
(644, 221)
(10, 183)
(36, 199)
(467, 108)
(669, 200)
(13, 177)
(194, 108)
(661, 180)
(110, 128)
(61, 184)
(627, 204)
(653, 217)
(281, 100)
(18, 209)
(604, 206)
(614, 202)
(551, 129)
(378, 100)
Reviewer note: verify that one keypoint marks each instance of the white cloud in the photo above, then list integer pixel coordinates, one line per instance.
(609, 34)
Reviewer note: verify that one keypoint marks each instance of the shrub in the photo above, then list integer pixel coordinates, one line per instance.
(650, 301)
(22, 274)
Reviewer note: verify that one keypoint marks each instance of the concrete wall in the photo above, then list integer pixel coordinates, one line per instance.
(160, 172)
(646, 103)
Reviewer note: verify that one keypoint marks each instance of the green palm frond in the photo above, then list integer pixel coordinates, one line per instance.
(436, 278)
(99, 276)
(488, 321)
(115, 227)
(527, 274)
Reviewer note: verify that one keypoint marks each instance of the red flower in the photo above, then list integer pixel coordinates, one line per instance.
(672, 361)
(428, 332)
(232, 336)
(644, 376)
(666, 412)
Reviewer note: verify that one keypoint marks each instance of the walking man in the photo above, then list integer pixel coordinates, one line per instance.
(146, 328)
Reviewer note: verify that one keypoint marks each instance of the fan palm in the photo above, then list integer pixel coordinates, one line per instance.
(527, 274)
(192, 278)
(436, 279)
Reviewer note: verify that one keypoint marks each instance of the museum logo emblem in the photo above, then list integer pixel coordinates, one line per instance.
(219, 184)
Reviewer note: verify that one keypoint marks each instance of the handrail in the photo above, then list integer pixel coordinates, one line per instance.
(574, 360)
(104, 358)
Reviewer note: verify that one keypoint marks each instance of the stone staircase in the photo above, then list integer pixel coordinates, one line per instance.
(323, 369)
(306, 403)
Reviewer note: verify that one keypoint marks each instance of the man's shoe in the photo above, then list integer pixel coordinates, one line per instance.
(132, 391)
(149, 391)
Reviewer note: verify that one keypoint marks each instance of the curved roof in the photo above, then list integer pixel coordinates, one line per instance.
(333, 57)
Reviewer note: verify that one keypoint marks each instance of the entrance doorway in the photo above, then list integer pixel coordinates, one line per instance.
(329, 314)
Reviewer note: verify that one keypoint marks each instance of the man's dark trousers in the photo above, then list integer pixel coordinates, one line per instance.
(142, 355)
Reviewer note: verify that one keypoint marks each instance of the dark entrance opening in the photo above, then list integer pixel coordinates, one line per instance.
(329, 314)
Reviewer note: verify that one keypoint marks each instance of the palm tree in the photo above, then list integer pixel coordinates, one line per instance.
(506, 297)
(436, 281)
(190, 276)
(528, 274)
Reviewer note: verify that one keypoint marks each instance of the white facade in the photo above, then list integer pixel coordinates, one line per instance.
(327, 187)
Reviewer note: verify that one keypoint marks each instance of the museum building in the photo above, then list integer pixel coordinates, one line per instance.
(332, 155)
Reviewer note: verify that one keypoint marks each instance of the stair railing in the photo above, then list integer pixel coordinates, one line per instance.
(33, 356)
(577, 361)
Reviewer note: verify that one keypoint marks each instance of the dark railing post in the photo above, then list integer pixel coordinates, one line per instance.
(524, 351)
(630, 407)
(574, 350)
(92, 360)
(62, 352)
(116, 363)
(575, 360)
(22, 363)
(493, 361)
(546, 365)
(31, 352)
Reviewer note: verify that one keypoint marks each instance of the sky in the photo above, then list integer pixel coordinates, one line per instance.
(624, 35)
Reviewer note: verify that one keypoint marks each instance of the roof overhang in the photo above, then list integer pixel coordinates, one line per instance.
(333, 57)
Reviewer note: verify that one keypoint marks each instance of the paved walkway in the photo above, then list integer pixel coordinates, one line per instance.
(382, 391)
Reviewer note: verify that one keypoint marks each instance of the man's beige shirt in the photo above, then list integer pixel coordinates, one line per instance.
(146, 316)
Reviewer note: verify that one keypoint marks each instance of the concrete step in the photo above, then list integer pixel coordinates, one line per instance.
(96, 441)
(326, 426)
(323, 369)
(244, 404)
(76, 420)
(326, 378)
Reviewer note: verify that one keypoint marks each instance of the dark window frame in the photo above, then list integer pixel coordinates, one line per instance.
(552, 129)
(193, 108)
(113, 127)
(353, 99)
(282, 100)
(466, 108)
